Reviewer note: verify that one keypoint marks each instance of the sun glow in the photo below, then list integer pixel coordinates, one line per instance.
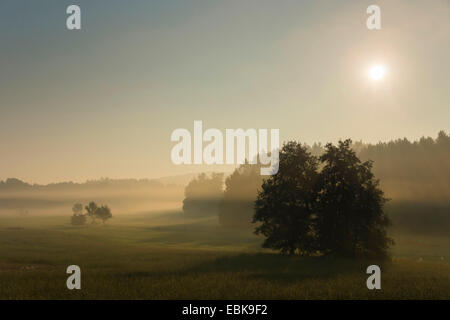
(377, 72)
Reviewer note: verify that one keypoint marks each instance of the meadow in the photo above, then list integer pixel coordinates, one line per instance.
(166, 256)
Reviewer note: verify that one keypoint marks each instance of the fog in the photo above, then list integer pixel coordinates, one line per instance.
(123, 196)
(415, 176)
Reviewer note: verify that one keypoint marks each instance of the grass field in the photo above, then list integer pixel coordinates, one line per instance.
(163, 256)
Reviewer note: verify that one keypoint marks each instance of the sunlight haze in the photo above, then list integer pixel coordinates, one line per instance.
(102, 102)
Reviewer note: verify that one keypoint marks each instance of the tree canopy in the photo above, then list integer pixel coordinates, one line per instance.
(350, 217)
(335, 210)
(285, 206)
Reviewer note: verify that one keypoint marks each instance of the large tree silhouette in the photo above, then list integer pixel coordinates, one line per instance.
(337, 210)
(285, 206)
(350, 218)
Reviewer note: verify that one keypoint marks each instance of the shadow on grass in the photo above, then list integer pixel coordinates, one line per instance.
(283, 268)
(270, 267)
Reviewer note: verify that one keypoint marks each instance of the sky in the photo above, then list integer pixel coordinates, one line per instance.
(103, 101)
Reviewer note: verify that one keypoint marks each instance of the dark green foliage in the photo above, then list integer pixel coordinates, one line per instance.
(284, 208)
(337, 210)
(203, 195)
(350, 218)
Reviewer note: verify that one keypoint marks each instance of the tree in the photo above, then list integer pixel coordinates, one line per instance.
(103, 213)
(203, 195)
(241, 190)
(91, 210)
(78, 218)
(77, 209)
(284, 209)
(350, 218)
(338, 210)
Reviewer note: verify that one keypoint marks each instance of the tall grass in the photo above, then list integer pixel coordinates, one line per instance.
(167, 257)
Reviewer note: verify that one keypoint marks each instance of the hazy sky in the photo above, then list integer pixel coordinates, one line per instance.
(103, 101)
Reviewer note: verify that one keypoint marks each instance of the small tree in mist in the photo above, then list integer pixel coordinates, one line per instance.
(77, 209)
(95, 212)
(103, 213)
(203, 195)
(78, 218)
(91, 211)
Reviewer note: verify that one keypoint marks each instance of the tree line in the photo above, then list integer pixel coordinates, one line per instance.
(409, 170)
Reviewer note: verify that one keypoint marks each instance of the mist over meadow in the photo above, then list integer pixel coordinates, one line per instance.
(415, 176)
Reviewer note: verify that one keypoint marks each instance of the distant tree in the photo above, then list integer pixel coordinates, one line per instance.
(203, 195)
(443, 140)
(91, 211)
(103, 213)
(350, 218)
(16, 183)
(78, 218)
(77, 209)
(285, 207)
(241, 190)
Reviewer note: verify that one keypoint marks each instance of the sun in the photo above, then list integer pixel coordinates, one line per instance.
(377, 72)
